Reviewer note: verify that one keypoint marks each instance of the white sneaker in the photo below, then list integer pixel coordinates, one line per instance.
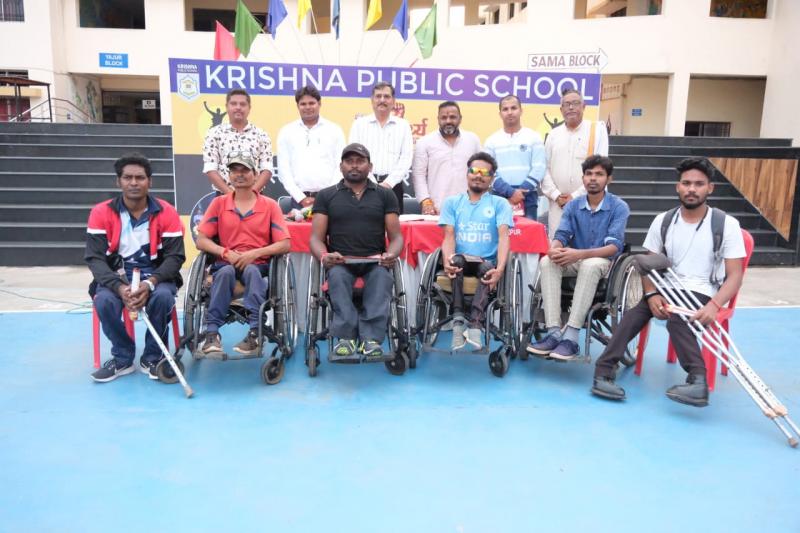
(459, 335)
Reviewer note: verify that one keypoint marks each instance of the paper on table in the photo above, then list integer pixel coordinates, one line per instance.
(409, 218)
(353, 260)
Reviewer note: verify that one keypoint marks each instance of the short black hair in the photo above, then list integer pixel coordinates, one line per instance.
(234, 92)
(308, 90)
(570, 90)
(597, 159)
(483, 156)
(133, 158)
(508, 97)
(696, 163)
(449, 103)
(383, 85)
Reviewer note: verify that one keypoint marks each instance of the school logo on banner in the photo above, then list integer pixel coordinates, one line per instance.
(188, 81)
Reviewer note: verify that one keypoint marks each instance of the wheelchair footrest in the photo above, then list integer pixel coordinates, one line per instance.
(222, 356)
(358, 358)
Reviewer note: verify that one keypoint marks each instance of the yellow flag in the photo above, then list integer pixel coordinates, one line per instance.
(303, 7)
(374, 13)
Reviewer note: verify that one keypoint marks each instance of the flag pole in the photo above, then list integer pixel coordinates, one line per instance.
(316, 32)
(297, 36)
(271, 39)
(398, 54)
(385, 38)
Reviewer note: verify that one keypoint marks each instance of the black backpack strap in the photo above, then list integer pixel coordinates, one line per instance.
(665, 222)
(718, 233)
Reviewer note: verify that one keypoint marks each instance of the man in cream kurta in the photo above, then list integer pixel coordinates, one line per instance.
(566, 147)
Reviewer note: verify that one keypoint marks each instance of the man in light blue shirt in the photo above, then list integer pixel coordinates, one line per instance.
(476, 243)
(590, 235)
(520, 158)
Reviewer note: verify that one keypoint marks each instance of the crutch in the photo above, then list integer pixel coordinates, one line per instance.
(683, 302)
(143, 313)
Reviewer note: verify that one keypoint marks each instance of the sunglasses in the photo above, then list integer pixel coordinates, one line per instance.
(483, 172)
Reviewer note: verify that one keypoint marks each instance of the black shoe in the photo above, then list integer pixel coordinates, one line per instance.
(694, 393)
(149, 368)
(606, 388)
(111, 370)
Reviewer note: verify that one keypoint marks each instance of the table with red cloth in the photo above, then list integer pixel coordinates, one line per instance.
(420, 238)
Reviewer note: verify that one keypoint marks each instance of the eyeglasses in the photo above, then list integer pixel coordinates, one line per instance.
(572, 105)
(483, 172)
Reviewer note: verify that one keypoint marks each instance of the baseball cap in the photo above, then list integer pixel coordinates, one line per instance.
(356, 148)
(241, 158)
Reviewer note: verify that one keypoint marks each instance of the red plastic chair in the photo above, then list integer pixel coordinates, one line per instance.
(176, 335)
(723, 317)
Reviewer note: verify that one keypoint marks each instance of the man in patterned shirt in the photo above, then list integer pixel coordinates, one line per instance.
(237, 135)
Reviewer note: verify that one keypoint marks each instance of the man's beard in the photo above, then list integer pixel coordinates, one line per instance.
(477, 189)
(355, 177)
(443, 131)
(692, 206)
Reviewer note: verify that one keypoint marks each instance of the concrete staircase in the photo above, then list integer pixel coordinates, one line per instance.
(644, 175)
(52, 174)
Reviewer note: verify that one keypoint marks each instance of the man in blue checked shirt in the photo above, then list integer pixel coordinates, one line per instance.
(591, 234)
(520, 158)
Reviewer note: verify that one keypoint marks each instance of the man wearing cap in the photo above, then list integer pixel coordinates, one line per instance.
(250, 230)
(352, 220)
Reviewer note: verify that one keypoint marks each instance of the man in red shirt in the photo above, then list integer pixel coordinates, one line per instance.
(250, 229)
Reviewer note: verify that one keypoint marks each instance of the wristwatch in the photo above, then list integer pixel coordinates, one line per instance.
(149, 285)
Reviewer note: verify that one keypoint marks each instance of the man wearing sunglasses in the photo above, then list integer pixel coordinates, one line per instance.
(476, 243)
(566, 147)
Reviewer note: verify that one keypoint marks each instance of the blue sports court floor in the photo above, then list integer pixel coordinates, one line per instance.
(446, 448)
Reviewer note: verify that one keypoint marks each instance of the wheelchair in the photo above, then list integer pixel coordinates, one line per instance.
(617, 292)
(318, 315)
(503, 311)
(281, 302)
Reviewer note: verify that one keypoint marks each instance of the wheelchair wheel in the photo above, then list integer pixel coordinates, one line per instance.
(283, 291)
(272, 371)
(312, 302)
(165, 372)
(498, 362)
(193, 309)
(628, 293)
(398, 365)
(312, 359)
(398, 318)
(535, 328)
(511, 314)
(427, 312)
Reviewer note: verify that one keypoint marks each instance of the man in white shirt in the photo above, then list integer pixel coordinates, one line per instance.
(520, 158)
(440, 158)
(236, 136)
(308, 150)
(689, 245)
(388, 139)
(567, 146)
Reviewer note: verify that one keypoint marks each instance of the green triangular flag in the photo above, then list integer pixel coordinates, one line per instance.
(426, 34)
(246, 29)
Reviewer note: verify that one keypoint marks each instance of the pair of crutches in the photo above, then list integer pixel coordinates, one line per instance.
(683, 302)
(171, 360)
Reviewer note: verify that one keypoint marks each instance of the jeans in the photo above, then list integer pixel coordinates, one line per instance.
(222, 286)
(159, 306)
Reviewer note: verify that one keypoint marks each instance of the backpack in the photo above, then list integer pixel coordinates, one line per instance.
(717, 232)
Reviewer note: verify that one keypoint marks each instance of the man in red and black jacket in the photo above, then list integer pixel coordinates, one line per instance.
(133, 231)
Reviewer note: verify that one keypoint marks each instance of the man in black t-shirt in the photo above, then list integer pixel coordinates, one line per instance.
(351, 222)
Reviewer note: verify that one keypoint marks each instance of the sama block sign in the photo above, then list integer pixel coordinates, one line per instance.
(112, 60)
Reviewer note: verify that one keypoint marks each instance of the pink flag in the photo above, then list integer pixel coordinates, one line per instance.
(224, 45)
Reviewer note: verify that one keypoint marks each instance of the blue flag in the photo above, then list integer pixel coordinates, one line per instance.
(276, 14)
(400, 21)
(335, 18)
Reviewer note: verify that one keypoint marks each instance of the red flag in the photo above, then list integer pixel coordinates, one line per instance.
(224, 45)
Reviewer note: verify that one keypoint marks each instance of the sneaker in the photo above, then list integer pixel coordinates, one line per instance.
(213, 343)
(250, 345)
(544, 346)
(565, 350)
(459, 332)
(474, 337)
(148, 368)
(371, 348)
(345, 348)
(605, 387)
(111, 370)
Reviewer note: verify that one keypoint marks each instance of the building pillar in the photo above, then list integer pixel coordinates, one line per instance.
(677, 103)
(471, 12)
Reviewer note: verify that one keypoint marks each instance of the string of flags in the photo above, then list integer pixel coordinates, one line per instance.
(229, 46)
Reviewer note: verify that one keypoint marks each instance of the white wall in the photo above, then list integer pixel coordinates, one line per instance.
(681, 42)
